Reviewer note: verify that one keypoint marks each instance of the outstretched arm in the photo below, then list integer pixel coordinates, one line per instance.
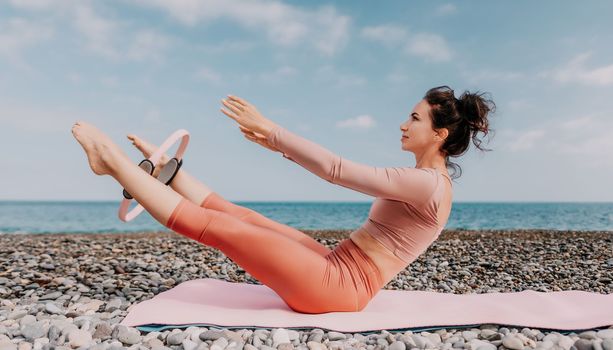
(407, 184)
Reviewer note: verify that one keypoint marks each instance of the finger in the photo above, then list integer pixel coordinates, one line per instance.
(231, 115)
(236, 104)
(231, 107)
(244, 129)
(240, 100)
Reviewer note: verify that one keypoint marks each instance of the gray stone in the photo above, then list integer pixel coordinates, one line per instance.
(128, 336)
(33, 330)
(103, 331)
(469, 335)
(189, 345)
(113, 305)
(154, 342)
(176, 338)
(487, 346)
(54, 332)
(279, 336)
(419, 341)
(53, 309)
(27, 319)
(51, 296)
(583, 344)
(588, 335)
(332, 336)
(489, 334)
(17, 314)
(211, 335)
(219, 344)
(284, 346)
(605, 333)
(512, 342)
(78, 338)
(47, 266)
(397, 345)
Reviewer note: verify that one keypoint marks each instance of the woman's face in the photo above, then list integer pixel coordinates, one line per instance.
(418, 128)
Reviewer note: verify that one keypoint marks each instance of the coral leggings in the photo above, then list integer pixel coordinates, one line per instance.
(308, 276)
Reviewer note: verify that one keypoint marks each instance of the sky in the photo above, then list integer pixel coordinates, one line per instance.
(342, 74)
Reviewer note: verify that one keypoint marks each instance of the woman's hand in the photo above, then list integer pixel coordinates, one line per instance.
(247, 116)
(257, 138)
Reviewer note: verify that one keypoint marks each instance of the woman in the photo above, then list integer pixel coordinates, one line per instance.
(411, 207)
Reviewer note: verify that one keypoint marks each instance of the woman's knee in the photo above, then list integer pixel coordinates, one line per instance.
(323, 301)
(191, 220)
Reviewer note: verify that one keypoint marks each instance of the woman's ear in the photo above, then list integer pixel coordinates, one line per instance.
(442, 134)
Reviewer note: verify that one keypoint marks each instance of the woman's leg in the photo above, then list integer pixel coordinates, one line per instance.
(200, 194)
(216, 202)
(307, 281)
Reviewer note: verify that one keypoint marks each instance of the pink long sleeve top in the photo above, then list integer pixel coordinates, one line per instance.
(403, 217)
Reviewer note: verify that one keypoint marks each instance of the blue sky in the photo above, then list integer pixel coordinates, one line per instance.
(343, 74)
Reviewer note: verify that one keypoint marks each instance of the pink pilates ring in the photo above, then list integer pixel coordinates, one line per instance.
(182, 134)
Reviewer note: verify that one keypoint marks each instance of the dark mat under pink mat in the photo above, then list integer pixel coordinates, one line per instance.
(212, 302)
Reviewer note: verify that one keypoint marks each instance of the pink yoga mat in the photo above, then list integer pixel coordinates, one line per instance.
(217, 302)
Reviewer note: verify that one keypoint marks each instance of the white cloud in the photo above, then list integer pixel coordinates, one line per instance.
(278, 75)
(98, 31)
(587, 137)
(113, 40)
(24, 118)
(147, 44)
(488, 75)
(446, 9)
(284, 24)
(329, 75)
(389, 34)
(40, 5)
(525, 140)
(104, 36)
(17, 35)
(227, 46)
(397, 77)
(518, 104)
(208, 74)
(580, 122)
(430, 46)
(575, 71)
(359, 122)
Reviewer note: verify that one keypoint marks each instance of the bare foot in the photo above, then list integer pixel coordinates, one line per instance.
(147, 150)
(101, 151)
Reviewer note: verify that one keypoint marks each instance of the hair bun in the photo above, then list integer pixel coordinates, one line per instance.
(473, 108)
(464, 104)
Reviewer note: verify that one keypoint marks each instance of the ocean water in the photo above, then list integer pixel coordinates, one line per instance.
(94, 217)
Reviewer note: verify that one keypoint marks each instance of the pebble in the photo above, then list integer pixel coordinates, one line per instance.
(33, 330)
(175, 339)
(77, 301)
(129, 335)
(52, 308)
(605, 333)
(78, 338)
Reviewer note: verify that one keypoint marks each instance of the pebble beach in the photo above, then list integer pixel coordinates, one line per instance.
(70, 291)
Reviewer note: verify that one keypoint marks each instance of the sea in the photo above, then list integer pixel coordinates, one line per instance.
(43, 217)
